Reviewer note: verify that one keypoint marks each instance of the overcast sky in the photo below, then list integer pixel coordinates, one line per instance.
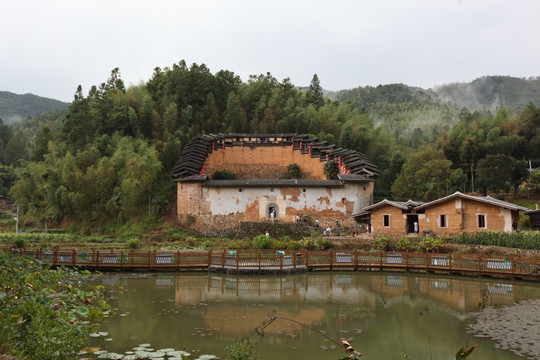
(49, 47)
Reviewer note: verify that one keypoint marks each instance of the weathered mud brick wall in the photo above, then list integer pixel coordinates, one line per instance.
(263, 162)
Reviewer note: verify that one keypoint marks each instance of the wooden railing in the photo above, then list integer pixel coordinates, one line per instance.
(203, 260)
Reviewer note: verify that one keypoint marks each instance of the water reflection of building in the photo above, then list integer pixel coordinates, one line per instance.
(457, 294)
(190, 289)
(236, 304)
(355, 293)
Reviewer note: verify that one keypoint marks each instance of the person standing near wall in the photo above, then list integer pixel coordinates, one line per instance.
(416, 228)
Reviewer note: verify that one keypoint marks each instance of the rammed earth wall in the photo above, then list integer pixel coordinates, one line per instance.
(326, 204)
(462, 215)
(260, 164)
(263, 162)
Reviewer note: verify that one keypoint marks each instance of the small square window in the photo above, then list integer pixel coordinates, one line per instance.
(442, 221)
(482, 221)
(239, 190)
(303, 190)
(386, 220)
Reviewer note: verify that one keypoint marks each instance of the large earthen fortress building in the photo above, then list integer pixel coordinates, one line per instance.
(262, 190)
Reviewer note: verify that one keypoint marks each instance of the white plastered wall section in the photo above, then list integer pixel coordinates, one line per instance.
(230, 200)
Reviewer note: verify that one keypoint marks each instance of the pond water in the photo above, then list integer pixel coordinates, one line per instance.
(382, 315)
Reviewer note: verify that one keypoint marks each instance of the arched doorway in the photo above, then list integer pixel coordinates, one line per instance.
(272, 208)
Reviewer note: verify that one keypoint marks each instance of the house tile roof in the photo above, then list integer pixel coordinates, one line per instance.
(405, 205)
(483, 199)
(418, 205)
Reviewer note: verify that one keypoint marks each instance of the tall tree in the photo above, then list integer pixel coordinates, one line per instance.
(235, 117)
(41, 144)
(315, 94)
(77, 125)
(5, 136)
(16, 149)
(501, 172)
(424, 177)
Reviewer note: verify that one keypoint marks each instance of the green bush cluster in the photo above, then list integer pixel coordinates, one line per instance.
(42, 311)
(286, 243)
(223, 175)
(403, 243)
(293, 171)
(429, 244)
(134, 243)
(522, 240)
(262, 242)
(318, 244)
(382, 242)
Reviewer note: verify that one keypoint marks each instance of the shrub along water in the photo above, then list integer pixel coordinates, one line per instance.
(43, 312)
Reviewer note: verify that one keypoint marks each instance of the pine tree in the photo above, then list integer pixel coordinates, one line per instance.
(315, 94)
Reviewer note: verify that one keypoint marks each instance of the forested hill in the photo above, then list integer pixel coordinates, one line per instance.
(14, 107)
(109, 155)
(491, 92)
(404, 109)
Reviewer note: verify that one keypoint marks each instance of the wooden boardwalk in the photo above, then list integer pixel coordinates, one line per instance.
(271, 261)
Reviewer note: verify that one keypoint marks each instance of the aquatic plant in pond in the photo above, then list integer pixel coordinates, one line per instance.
(43, 312)
(143, 352)
(242, 349)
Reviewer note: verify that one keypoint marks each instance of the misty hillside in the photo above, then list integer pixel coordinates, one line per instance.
(406, 109)
(491, 92)
(14, 107)
(402, 108)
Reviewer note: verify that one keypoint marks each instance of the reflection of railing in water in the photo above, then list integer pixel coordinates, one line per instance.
(254, 260)
(164, 282)
(394, 281)
(457, 293)
(255, 285)
(500, 289)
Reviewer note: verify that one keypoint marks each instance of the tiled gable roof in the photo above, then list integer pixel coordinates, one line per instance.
(483, 199)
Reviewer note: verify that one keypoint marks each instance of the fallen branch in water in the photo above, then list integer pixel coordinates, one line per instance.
(343, 343)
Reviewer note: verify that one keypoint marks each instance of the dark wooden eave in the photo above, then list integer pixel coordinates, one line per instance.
(194, 155)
